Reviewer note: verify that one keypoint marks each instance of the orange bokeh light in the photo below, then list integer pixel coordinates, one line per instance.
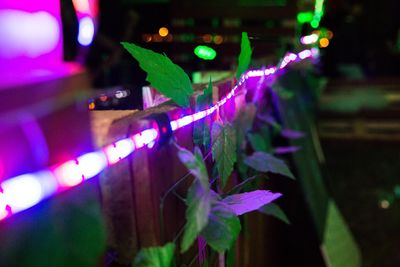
(324, 42)
(163, 31)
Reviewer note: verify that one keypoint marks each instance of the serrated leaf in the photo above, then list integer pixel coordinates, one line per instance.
(223, 227)
(265, 162)
(197, 212)
(258, 142)
(245, 55)
(155, 256)
(201, 128)
(274, 210)
(250, 201)
(165, 76)
(198, 200)
(224, 149)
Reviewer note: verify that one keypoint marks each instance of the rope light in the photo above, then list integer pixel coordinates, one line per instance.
(24, 191)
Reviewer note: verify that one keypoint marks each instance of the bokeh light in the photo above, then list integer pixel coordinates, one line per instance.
(163, 31)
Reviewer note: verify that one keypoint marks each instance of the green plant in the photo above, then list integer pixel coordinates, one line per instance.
(213, 207)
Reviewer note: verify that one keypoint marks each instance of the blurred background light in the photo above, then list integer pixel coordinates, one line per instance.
(163, 31)
(304, 17)
(86, 31)
(324, 42)
(205, 52)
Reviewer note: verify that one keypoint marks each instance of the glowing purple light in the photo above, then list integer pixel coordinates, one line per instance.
(86, 31)
(174, 125)
(305, 54)
(25, 191)
(199, 115)
(144, 138)
(314, 52)
(92, 164)
(121, 149)
(69, 174)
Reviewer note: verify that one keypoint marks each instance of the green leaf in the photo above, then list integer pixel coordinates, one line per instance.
(198, 199)
(224, 149)
(245, 55)
(197, 212)
(201, 128)
(223, 227)
(155, 256)
(258, 142)
(195, 164)
(274, 210)
(204, 100)
(168, 78)
(265, 162)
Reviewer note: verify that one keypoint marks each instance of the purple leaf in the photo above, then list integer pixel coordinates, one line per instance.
(286, 149)
(265, 162)
(246, 202)
(292, 134)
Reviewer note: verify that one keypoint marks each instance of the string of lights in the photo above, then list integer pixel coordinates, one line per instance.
(24, 191)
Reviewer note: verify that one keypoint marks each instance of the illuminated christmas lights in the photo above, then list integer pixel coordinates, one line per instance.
(309, 39)
(24, 191)
(318, 13)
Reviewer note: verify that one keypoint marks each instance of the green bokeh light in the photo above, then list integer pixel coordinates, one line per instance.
(314, 24)
(304, 17)
(205, 52)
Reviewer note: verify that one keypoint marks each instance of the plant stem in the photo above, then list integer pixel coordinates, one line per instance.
(221, 259)
(236, 187)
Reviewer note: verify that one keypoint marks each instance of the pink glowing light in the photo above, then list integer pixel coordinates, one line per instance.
(74, 172)
(86, 8)
(82, 6)
(144, 138)
(69, 174)
(119, 150)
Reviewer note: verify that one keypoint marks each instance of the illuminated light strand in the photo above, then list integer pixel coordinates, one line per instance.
(309, 39)
(318, 13)
(24, 191)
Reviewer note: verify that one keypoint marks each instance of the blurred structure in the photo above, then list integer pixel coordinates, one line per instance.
(40, 92)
